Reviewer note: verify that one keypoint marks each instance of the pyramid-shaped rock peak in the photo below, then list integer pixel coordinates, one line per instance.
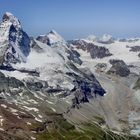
(9, 17)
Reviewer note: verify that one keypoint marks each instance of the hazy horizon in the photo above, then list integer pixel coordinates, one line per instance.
(77, 19)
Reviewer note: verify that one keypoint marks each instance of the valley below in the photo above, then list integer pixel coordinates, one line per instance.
(53, 89)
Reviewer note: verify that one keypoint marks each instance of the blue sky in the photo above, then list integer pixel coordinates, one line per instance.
(77, 18)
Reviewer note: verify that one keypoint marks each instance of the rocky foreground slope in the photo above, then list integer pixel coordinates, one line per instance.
(51, 89)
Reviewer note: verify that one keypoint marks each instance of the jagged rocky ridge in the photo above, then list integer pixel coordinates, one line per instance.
(94, 50)
(53, 39)
(134, 48)
(47, 90)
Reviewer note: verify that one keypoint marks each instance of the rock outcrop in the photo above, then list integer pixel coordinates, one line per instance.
(119, 68)
(94, 50)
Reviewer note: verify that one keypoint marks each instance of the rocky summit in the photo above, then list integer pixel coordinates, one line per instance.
(53, 89)
(15, 43)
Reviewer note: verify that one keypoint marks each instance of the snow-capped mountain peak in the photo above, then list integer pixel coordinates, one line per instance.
(14, 42)
(54, 32)
(9, 17)
(106, 37)
(51, 38)
(92, 38)
(54, 37)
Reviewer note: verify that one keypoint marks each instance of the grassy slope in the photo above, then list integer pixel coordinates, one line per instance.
(62, 130)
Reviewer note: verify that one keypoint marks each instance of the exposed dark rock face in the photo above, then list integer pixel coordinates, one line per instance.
(123, 40)
(119, 68)
(43, 39)
(80, 97)
(35, 46)
(7, 82)
(36, 85)
(54, 90)
(139, 55)
(94, 50)
(134, 48)
(19, 39)
(133, 40)
(128, 40)
(10, 68)
(86, 87)
(74, 56)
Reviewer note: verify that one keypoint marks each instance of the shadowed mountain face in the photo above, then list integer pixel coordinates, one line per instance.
(53, 89)
(13, 40)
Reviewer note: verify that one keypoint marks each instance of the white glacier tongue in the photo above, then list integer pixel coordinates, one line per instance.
(9, 17)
